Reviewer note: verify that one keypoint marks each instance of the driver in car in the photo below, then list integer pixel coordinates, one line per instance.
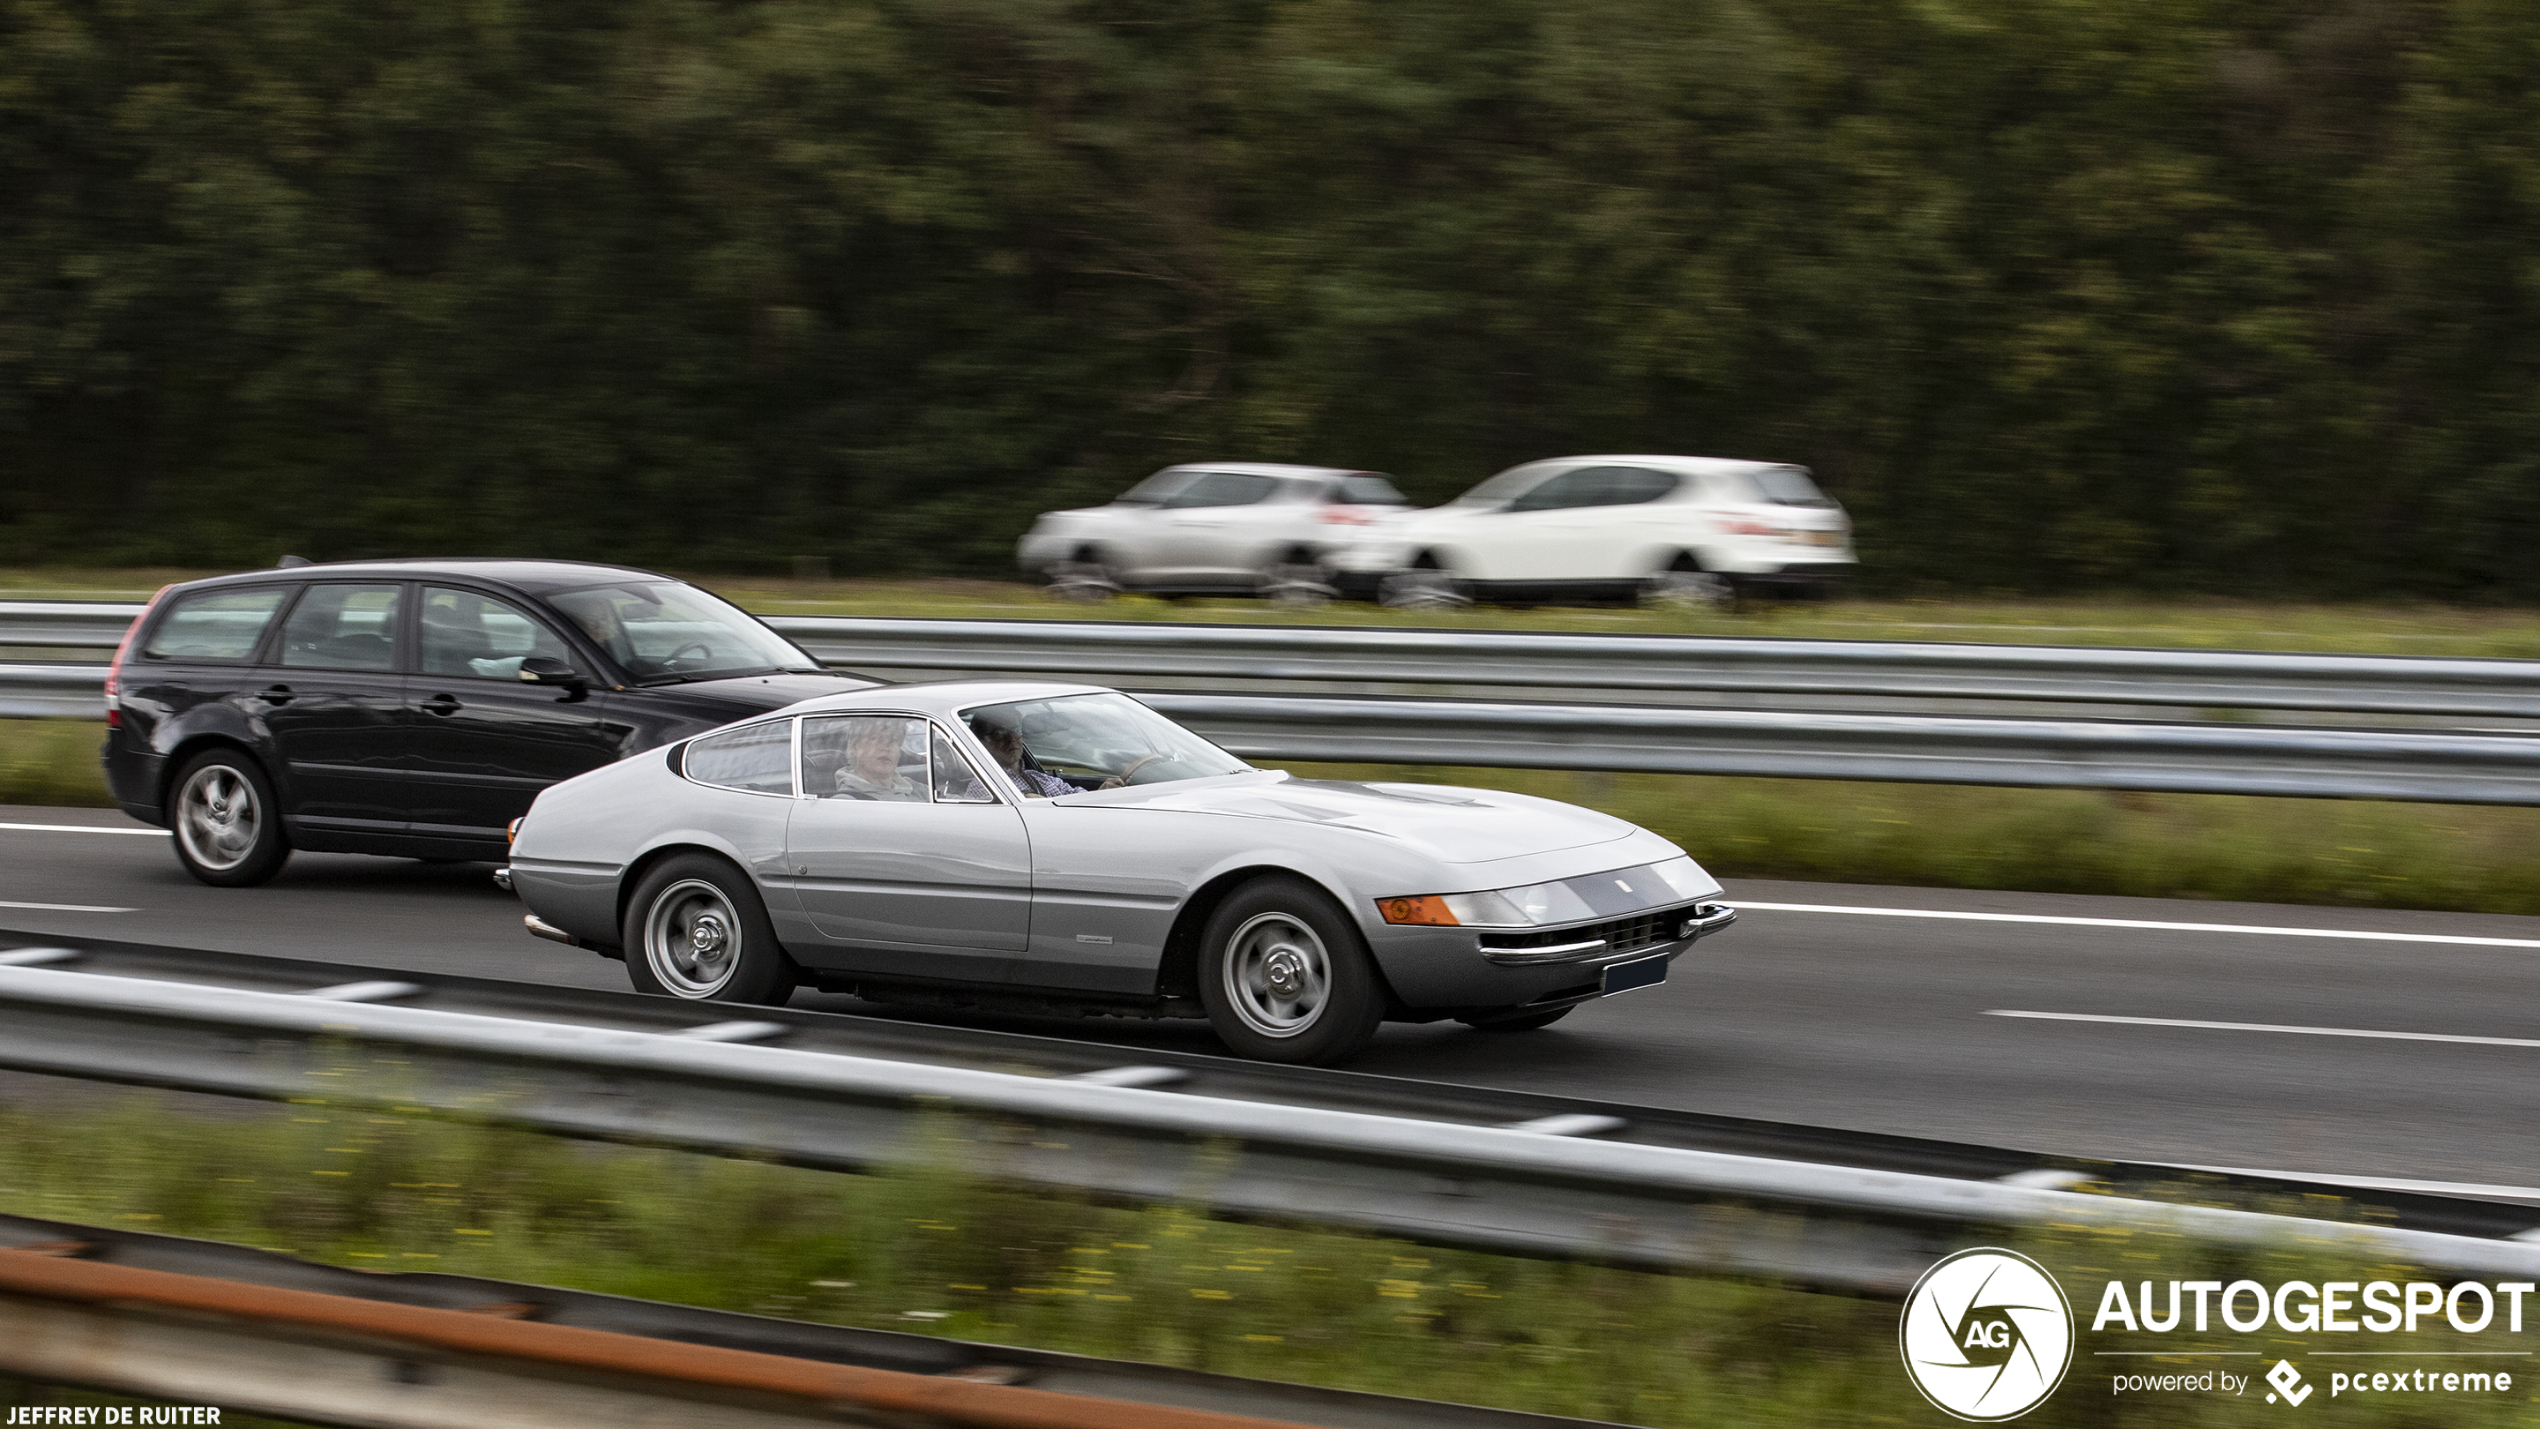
(996, 729)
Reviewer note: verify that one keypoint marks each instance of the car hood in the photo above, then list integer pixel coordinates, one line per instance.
(1450, 824)
(721, 701)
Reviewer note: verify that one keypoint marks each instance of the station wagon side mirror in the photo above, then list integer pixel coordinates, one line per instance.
(548, 670)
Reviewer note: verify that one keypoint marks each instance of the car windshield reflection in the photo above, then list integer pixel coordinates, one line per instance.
(1103, 741)
(663, 632)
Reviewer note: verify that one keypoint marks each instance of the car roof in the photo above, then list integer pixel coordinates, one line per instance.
(943, 698)
(1272, 468)
(1693, 464)
(519, 574)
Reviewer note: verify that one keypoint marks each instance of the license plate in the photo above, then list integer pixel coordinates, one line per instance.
(1624, 977)
(1820, 538)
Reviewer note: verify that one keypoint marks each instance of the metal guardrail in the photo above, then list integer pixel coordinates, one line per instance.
(1526, 1189)
(2425, 766)
(2304, 762)
(52, 692)
(2310, 761)
(205, 1322)
(1639, 668)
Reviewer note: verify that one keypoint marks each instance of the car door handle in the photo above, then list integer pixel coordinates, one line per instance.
(441, 705)
(276, 695)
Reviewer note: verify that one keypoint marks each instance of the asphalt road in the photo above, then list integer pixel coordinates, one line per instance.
(2394, 1060)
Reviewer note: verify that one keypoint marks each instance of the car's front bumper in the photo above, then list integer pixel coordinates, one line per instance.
(1455, 968)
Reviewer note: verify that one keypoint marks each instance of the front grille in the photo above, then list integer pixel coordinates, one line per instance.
(1621, 935)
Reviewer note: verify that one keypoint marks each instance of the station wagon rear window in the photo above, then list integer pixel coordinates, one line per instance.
(214, 625)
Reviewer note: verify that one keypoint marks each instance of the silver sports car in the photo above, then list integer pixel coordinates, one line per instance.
(1040, 845)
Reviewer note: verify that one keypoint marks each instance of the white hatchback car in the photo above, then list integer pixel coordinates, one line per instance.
(1675, 529)
(1217, 528)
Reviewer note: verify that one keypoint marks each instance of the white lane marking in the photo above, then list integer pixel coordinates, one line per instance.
(67, 907)
(85, 829)
(2272, 1027)
(1743, 905)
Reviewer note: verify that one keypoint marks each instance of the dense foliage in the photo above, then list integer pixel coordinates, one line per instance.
(2178, 294)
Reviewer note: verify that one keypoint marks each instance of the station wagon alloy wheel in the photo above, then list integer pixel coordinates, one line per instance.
(227, 822)
(692, 938)
(219, 817)
(1277, 975)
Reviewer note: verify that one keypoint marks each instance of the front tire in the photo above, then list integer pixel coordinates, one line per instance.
(227, 822)
(697, 929)
(1286, 978)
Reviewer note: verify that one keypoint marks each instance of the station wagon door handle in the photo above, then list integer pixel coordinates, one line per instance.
(441, 705)
(276, 695)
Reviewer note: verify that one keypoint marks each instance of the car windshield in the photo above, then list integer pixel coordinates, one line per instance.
(1788, 486)
(1090, 740)
(1153, 490)
(663, 631)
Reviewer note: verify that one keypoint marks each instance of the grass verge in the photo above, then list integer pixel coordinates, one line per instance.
(2356, 853)
(52, 761)
(932, 1250)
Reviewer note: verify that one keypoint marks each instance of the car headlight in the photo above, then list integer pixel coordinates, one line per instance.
(1616, 894)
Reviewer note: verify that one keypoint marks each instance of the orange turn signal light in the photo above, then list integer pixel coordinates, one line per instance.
(1431, 910)
(511, 831)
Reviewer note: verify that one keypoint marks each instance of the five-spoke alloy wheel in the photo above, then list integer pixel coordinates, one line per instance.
(1285, 977)
(697, 929)
(228, 824)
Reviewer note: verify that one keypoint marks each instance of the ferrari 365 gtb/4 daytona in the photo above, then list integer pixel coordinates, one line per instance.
(1011, 843)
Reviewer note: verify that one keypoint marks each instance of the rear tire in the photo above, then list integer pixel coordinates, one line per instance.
(1296, 580)
(1684, 585)
(1286, 978)
(227, 822)
(697, 929)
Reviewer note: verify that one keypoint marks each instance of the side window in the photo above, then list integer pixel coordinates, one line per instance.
(343, 627)
(478, 636)
(1554, 493)
(758, 758)
(214, 625)
(1221, 488)
(1622, 485)
(871, 757)
(955, 781)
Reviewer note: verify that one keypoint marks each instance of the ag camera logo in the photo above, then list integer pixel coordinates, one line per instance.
(1987, 1334)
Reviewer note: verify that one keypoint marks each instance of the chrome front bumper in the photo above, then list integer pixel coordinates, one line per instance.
(1700, 922)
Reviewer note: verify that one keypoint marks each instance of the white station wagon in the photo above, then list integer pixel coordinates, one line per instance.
(1215, 528)
(1675, 529)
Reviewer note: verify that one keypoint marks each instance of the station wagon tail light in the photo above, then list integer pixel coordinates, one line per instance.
(1344, 516)
(123, 647)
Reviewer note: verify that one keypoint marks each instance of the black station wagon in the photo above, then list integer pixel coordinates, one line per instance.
(414, 708)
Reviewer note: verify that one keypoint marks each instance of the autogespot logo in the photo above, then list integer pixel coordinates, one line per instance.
(1987, 1335)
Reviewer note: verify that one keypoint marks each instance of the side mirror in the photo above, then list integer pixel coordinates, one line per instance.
(548, 670)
